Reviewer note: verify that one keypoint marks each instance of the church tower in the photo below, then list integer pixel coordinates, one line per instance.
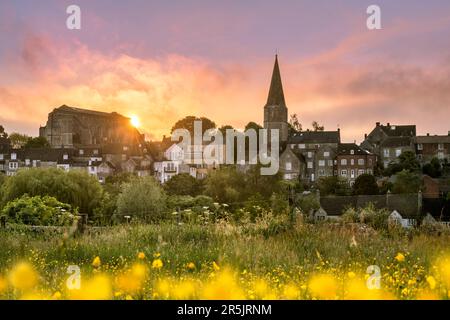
(275, 110)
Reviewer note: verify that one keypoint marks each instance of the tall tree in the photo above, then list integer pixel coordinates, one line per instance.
(3, 134)
(18, 140)
(38, 142)
(365, 184)
(294, 123)
(188, 124)
(317, 127)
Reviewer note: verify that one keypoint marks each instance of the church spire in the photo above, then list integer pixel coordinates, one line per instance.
(276, 95)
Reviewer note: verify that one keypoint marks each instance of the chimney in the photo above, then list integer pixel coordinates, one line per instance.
(449, 133)
(388, 124)
(428, 134)
(365, 135)
(378, 124)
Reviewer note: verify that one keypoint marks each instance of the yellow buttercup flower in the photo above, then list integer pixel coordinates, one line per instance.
(190, 266)
(141, 255)
(323, 287)
(57, 295)
(400, 257)
(157, 264)
(216, 266)
(96, 262)
(431, 282)
(23, 276)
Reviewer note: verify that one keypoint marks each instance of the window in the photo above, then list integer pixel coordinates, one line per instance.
(321, 163)
(288, 165)
(326, 154)
(96, 151)
(343, 162)
(360, 162)
(441, 155)
(440, 146)
(321, 173)
(292, 146)
(398, 152)
(1, 156)
(310, 165)
(352, 152)
(352, 162)
(360, 172)
(125, 148)
(65, 156)
(13, 165)
(302, 146)
(343, 173)
(330, 163)
(81, 152)
(13, 156)
(386, 152)
(352, 173)
(369, 171)
(287, 176)
(27, 162)
(419, 146)
(309, 154)
(370, 161)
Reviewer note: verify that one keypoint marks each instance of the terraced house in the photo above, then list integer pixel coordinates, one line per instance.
(432, 146)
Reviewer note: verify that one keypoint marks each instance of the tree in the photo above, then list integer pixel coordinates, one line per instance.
(38, 142)
(188, 123)
(333, 185)
(223, 129)
(37, 211)
(76, 188)
(253, 125)
(225, 185)
(144, 198)
(365, 184)
(433, 169)
(406, 161)
(18, 140)
(406, 182)
(3, 134)
(184, 185)
(317, 127)
(294, 123)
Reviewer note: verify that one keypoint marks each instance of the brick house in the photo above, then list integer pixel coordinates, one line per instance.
(353, 161)
(429, 147)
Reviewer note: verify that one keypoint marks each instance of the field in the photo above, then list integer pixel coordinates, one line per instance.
(224, 261)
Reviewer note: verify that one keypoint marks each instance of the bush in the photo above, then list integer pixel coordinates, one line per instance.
(39, 211)
(76, 188)
(184, 185)
(143, 198)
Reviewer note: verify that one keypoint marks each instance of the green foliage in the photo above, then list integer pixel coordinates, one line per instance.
(308, 203)
(18, 140)
(333, 185)
(3, 134)
(433, 169)
(39, 211)
(38, 142)
(184, 185)
(371, 216)
(188, 123)
(223, 185)
(407, 182)
(406, 161)
(365, 184)
(142, 198)
(76, 187)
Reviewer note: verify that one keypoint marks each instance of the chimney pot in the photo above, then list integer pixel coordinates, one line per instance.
(378, 124)
(365, 135)
(449, 133)
(428, 134)
(388, 124)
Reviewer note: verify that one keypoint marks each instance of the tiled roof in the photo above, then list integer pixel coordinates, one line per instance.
(345, 149)
(432, 139)
(315, 137)
(399, 131)
(393, 142)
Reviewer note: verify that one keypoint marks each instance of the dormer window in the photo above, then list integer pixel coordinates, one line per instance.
(352, 152)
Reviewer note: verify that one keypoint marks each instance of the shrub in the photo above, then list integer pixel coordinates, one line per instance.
(143, 198)
(39, 211)
(76, 188)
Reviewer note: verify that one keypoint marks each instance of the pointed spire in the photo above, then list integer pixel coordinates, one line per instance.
(276, 95)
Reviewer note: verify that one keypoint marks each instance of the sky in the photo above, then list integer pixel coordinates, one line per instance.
(163, 60)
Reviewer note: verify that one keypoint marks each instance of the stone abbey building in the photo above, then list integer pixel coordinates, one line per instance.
(69, 127)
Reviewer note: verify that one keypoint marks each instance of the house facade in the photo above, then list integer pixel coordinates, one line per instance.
(353, 161)
(432, 146)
